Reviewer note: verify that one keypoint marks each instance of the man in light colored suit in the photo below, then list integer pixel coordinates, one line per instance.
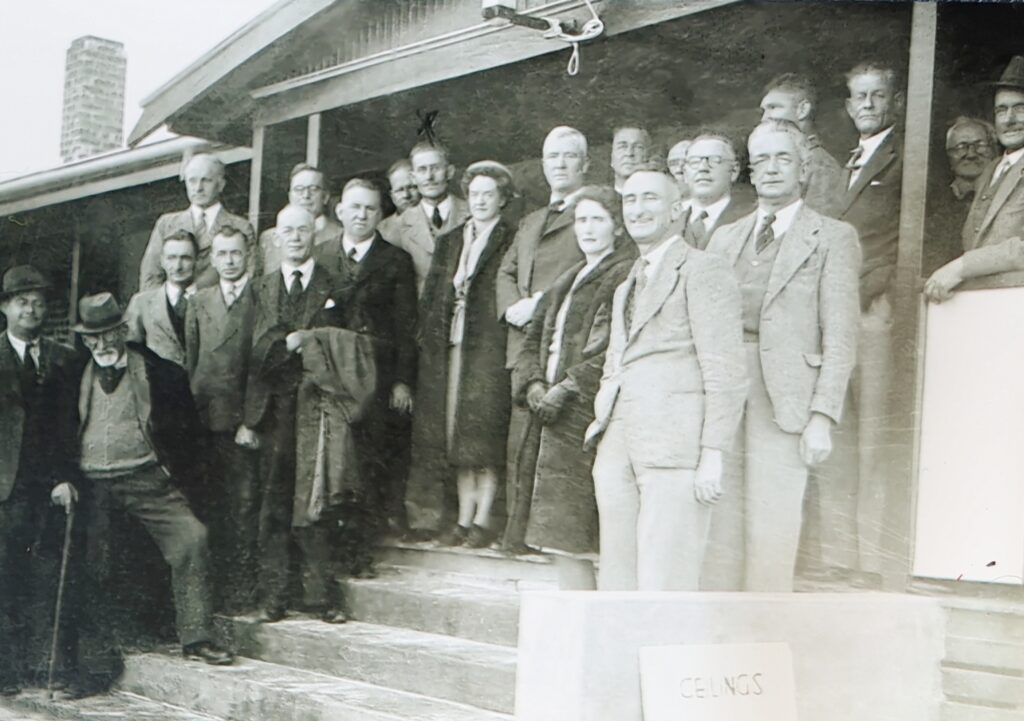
(156, 317)
(797, 272)
(218, 338)
(670, 399)
(437, 212)
(403, 193)
(204, 183)
(307, 188)
(992, 233)
(711, 171)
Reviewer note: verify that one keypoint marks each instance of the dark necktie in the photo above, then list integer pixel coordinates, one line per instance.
(436, 218)
(200, 227)
(854, 164)
(699, 231)
(765, 235)
(181, 306)
(109, 377)
(554, 210)
(30, 372)
(295, 292)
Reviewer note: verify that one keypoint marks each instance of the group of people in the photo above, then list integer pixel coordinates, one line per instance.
(650, 372)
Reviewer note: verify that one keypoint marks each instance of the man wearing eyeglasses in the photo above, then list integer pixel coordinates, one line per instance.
(307, 189)
(711, 172)
(630, 146)
(797, 272)
(676, 162)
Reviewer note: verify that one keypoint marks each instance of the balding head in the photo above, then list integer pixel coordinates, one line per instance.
(294, 231)
(204, 180)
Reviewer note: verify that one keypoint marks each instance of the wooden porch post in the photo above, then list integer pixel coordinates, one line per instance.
(255, 176)
(313, 140)
(905, 420)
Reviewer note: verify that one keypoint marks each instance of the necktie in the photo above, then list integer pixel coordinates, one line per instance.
(699, 230)
(28, 364)
(109, 377)
(181, 306)
(352, 254)
(436, 218)
(296, 289)
(200, 230)
(765, 235)
(1001, 170)
(554, 210)
(854, 164)
(639, 283)
(230, 295)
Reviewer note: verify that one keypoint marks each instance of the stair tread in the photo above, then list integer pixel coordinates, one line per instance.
(439, 585)
(114, 706)
(539, 559)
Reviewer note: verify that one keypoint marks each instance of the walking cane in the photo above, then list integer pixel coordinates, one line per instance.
(65, 555)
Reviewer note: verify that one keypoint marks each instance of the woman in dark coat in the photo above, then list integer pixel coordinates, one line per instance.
(557, 374)
(463, 399)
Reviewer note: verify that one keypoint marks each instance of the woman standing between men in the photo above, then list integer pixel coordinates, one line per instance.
(557, 374)
(462, 376)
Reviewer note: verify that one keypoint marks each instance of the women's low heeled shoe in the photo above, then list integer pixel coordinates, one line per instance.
(480, 537)
(455, 536)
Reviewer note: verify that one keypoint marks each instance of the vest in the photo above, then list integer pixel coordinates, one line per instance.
(113, 443)
(753, 271)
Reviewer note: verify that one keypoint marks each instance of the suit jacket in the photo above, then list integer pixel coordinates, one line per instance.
(677, 378)
(326, 244)
(151, 275)
(377, 297)
(218, 340)
(810, 315)
(824, 188)
(269, 358)
(740, 203)
(515, 275)
(49, 433)
(872, 207)
(416, 235)
(149, 323)
(164, 406)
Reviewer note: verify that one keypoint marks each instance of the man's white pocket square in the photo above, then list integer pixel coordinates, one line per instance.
(329, 304)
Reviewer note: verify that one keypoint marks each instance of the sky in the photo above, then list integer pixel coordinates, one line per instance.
(161, 38)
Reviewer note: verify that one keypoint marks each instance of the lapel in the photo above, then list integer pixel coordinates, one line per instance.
(744, 229)
(317, 292)
(9, 368)
(530, 232)
(797, 245)
(1006, 185)
(660, 286)
(362, 270)
(457, 216)
(495, 241)
(418, 230)
(160, 314)
(270, 299)
(226, 320)
(883, 157)
(85, 396)
(566, 217)
(136, 375)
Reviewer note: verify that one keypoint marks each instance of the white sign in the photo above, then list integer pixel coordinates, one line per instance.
(723, 682)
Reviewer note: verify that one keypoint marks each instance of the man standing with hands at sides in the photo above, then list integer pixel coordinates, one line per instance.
(204, 183)
(156, 317)
(436, 213)
(543, 248)
(670, 399)
(630, 146)
(711, 173)
(403, 193)
(797, 272)
(307, 188)
(35, 464)
(218, 339)
(792, 97)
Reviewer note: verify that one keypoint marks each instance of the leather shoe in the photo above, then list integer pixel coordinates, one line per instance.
(334, 615)
(269, 615)
(454, 536)
(479, 537)
(207, 653)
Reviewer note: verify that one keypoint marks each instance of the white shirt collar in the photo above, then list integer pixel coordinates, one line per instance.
(565, 200)
(173, 292)
(307, 272)
(1013, 157)
(236, 285)
(445, 207)
(655, 256)
(784, 217)
(209, 213)
(714, 210)
(361, 248)
(19, 346)
(870, 145)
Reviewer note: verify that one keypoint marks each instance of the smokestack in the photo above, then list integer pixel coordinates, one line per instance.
(93, 119)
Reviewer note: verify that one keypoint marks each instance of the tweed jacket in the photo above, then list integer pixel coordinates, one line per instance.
(218, 340)
(414, 234)
(151, 275)
(740, 203)
(326, 245)
(149, 323)
(810, 314)
(824, 189)
(676, 378)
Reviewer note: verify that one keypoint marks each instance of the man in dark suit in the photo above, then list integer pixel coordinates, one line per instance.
(136, 439)
(377, 287)
(873, 179)
(204, 183)
(711, 171)
(37, 376)
(544, 247)
(156, 317)
(307, 188)
(288, 301)
(218, 338)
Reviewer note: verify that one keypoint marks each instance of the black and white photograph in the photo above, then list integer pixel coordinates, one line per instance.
(512, 360)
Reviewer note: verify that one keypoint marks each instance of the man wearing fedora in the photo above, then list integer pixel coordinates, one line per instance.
(136, 429)
(37, 376)
(992, 232)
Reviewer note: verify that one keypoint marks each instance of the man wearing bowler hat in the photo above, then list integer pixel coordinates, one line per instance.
(992, 233)
(136, 425)
(36, 379)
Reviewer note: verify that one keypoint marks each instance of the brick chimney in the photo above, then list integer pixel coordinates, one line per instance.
(93, 119)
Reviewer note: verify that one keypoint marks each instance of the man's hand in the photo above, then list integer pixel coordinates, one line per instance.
(401, 398)
(293, 341)
(552, 403)
(940, 286)
(520, 312)
(64, 495)
(707, 482)
(190, 290)
(247, 438)
(816, 440)
(535, 395)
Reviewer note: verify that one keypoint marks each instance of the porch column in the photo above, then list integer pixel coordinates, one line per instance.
(313, 140)
(255, 176)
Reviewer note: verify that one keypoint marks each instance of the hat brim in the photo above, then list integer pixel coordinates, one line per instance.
(1006, 84)
(4, 295)
(96, 330)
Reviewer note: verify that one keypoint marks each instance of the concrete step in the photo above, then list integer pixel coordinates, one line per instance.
(435, 604)
(33, 705)
(995, 622)
(259, 691)
(454, 669)
(953, 711)
(985, 654)
(982, 687)
(524, 572)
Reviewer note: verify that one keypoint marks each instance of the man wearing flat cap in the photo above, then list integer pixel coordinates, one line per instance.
(136, 425)
(36, 375)
(992, 233)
